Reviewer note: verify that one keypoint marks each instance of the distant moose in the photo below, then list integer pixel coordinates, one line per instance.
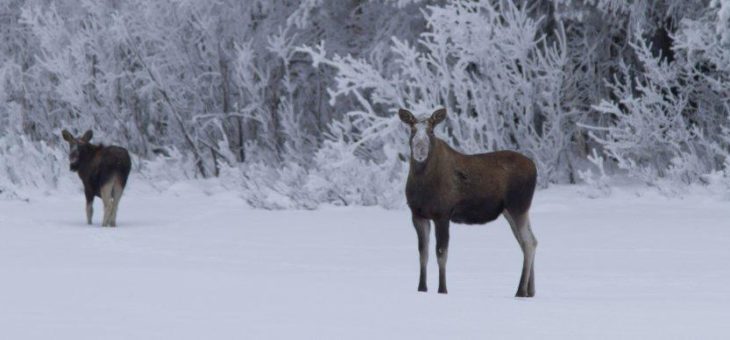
(444, 185)
(103, 171)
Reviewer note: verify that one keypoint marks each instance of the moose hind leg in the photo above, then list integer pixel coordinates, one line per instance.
(117, 192)
(442, 251)
(106, 197)
(423, 230)
(520, 225)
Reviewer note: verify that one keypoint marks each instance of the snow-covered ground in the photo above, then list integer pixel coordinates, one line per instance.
(188, 265)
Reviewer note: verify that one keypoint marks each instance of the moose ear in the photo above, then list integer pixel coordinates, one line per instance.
(406, 116)
(87, 136)
(437, 117)
(67, 136)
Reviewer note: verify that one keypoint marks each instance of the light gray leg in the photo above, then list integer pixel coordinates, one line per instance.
(106, 197)
(117, 196)
(113, 217)
(423, 230)
(89, 211)
(520, 225)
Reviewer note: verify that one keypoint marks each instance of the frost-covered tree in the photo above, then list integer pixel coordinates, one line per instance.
(489, 64)
(294, 101)
(666, 116)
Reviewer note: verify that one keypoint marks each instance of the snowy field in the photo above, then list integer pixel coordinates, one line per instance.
(187, 265)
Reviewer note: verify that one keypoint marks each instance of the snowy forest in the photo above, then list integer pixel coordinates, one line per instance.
(293, 103)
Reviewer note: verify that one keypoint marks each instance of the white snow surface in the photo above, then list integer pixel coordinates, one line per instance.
(199, 264)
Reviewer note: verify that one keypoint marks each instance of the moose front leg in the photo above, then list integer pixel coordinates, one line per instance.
(442, 251)
(423, 230)
(89, 205)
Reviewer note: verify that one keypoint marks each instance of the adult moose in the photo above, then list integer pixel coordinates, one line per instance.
(444, 185)
(103, 171)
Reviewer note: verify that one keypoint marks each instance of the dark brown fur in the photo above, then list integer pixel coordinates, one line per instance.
(470, 189)
(97, 165)
(449, 186)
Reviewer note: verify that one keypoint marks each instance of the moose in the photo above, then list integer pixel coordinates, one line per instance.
(446, 186)
(103, 171)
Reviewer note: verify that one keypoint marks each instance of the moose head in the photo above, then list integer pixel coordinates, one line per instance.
(422, 137)
(79, 148)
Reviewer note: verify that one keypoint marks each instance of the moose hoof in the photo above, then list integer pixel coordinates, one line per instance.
(422, 288)
(524, 294)
(442, 290)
